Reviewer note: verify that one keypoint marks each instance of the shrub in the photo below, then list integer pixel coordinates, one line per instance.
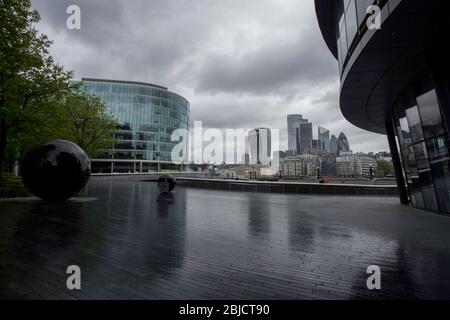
(11, 186)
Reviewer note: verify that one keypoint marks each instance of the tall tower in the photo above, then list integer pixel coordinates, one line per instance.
(260, 143)
(324, 138)
(296, 142)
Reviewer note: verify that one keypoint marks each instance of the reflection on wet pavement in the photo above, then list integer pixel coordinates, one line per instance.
(199, 244)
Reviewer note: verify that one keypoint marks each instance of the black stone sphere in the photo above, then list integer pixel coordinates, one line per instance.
(56, 170)
(166, 179)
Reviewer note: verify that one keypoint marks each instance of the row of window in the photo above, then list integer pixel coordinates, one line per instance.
(141, 103)
(423, 142)
(136, 155)
(351, 14)
(137, 120)
(104, 88)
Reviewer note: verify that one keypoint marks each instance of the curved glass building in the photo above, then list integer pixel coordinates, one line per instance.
(147, 115)
(394, 66)
(343, 144)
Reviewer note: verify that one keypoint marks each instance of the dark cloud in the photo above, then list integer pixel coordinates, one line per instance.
(242, 64)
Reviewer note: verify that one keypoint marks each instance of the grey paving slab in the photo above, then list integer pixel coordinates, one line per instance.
(211, 244)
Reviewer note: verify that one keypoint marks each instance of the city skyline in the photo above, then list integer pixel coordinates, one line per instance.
(229, 72)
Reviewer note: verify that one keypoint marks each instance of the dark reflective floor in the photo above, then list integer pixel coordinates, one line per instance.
(220, 245)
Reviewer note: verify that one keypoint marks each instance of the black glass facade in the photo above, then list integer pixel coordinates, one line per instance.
(395, 79)
(423, 144)
(147, 116)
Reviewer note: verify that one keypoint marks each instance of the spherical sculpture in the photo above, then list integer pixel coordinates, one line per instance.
(166, 183)
(56, 170)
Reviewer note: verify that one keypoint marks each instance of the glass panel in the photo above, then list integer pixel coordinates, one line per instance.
(428, 191)
(361, 7)
(430, 114)
(437, 149)
(421, 155)
(441, 174)
(417, 191)
(404, 134)
(343, 35)
(414, 124)
(351, 22)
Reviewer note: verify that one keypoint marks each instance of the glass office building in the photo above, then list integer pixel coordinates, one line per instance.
(394, 66)
(147, 115)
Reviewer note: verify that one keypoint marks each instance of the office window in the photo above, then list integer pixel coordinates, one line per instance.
(430, 114)
(414, 123)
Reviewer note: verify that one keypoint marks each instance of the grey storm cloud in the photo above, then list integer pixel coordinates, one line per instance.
(241, 64)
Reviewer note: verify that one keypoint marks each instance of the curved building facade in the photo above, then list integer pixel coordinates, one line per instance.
(394, 66)
(147, 115)
(343, 144)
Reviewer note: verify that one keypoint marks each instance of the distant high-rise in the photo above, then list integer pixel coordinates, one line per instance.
(305, 138)
(293, 124)
(334, 145)
(343, 145)
(260, 142)
(324, 137)
(299, 134)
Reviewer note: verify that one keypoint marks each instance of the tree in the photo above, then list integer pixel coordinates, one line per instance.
(30, 80)
(385, 166)
(85, 121)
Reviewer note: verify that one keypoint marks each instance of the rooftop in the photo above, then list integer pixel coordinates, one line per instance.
(125, 82)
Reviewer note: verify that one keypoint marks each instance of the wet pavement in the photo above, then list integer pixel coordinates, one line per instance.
(203, 244)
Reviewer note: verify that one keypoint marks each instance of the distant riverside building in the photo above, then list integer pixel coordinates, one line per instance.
(395, 80)
(147, 114)
(324, 138)
(348, 166)
(368, 165)
(260, 143)
(299, 166)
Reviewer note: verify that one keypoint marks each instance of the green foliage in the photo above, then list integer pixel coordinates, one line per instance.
(84, 120)
(385, 166)
(37, 103)
(12, 186)
(30, 80)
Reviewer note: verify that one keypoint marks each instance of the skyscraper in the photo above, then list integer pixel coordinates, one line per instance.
(299, 134)
(305, 138)
(334, 145)
(324, 137)
(343, 145)
(260, 142)
(293, 123)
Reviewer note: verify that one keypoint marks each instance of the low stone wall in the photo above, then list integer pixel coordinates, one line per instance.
(289, 187)
(144, 176)
(198, 180)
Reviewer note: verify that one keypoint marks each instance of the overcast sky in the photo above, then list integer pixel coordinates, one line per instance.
(240, 63)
